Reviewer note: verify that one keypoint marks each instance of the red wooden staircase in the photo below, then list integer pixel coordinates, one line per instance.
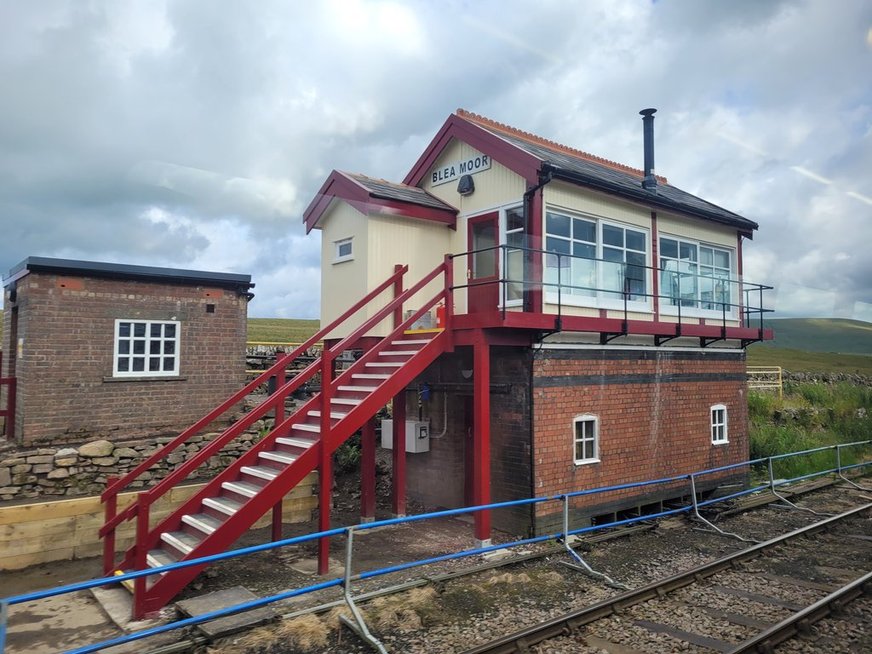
(229, 504)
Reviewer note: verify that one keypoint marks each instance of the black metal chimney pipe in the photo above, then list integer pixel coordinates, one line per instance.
(649, 182)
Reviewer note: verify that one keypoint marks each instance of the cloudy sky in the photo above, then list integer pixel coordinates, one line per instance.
(193, 133)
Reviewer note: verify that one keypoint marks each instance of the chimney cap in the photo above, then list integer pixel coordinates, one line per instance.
(648, 112)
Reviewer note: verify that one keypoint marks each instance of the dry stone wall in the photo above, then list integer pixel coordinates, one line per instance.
(72, 471)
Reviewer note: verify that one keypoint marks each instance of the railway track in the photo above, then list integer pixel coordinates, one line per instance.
(748, 601)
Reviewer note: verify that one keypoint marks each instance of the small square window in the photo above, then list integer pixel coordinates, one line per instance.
(343, 250)
(586, 439)
(719, 424)
(146, 348)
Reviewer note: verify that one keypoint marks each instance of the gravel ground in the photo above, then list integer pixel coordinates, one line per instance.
(466, 611)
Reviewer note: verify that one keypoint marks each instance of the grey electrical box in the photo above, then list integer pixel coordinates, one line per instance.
(417, 435)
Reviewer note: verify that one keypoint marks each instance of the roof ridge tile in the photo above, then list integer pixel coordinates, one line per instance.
(484, 121)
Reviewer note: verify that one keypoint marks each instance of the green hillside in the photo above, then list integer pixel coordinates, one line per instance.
(821, 335)
(281, 330)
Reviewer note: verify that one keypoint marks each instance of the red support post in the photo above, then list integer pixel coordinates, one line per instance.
(325, 472)
(481, 436)
(398, 289)
(398, 500)
(109, 539)
(140, 561)
(367, 472)
(276, 532)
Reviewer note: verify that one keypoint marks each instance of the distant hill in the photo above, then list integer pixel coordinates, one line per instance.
(281, 330)
(821, 335)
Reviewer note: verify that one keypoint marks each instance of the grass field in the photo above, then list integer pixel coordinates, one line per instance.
(281, 330)
(821, 335)
(802, 361)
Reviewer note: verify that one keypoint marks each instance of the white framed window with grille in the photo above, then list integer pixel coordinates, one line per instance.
(146, 348)
(585, 439)
(719, 424)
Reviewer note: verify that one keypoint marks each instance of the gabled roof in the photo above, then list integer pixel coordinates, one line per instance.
(75, 267)
(368, 194)
(535, 158)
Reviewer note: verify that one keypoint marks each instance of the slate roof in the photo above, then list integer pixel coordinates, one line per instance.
(384, 189)
(587, 169)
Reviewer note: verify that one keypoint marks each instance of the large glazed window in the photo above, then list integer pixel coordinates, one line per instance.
(596, 259)
(696, 275)
(146, 348)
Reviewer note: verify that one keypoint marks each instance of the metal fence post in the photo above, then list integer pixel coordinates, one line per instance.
(4, 619)
(358, 626)
(712, 527)
(841, 474)
(581, 564)
(784, 499)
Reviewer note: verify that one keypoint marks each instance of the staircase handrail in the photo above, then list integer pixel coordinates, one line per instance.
(118, 485)
(383, 313)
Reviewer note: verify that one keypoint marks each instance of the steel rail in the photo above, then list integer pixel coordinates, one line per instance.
(801, 621)
(521, 640)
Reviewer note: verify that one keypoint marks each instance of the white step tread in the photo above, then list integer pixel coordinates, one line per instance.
(369, 376)
(158, 559)
(261, 472)
(222, 504)
(302, 426)
(241, 487)
(357, 389)
(205, 523)
(385, 364)
(333, 414)
(180, 540)
(397, 353)
(346, 401)
(295, 442)
(279, 457)
(411, 341)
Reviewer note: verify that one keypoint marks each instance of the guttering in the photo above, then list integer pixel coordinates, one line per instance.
(743, 224)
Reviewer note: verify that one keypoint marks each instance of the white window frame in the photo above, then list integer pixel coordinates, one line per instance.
(338, 257)
(696, 311)
(719, 424)
(601, 299)
(505, 233)
(586, 419)
(149, 341)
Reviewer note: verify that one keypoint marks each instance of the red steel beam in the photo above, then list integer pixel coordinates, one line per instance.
(367, 472)
(398, 499)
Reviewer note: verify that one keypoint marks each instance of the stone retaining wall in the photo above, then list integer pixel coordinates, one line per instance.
(84, 469)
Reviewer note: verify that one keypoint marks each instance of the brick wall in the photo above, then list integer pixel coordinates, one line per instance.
(654, 420)
(66, 392)
(437, 478)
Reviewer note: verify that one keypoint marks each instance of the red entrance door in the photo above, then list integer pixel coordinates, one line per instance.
(483, 264)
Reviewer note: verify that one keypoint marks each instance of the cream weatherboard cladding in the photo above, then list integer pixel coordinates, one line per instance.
(343, 284)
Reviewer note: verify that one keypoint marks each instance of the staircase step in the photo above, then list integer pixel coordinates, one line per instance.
(205, 523)
(369, 376)
(385, 364)
(333, 414)
(411, 341)
(222, 504)
(345, 400)
(302, 426)
(260, 472)
(158, 559)
(356, 389)
(241, 487)
(295, 442)
(279, 457)
(398, 353)
(180, 540)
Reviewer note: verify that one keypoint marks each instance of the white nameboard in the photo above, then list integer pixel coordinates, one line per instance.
(450, 172)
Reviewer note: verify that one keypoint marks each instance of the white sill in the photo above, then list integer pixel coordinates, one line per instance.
(589, 302)
(720, 443)
(691, 312)
(585, 462)
(350, 257)
(145, 378)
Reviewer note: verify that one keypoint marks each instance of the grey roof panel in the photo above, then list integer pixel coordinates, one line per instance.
(126, 271)
(390, 191)
(628, 185)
